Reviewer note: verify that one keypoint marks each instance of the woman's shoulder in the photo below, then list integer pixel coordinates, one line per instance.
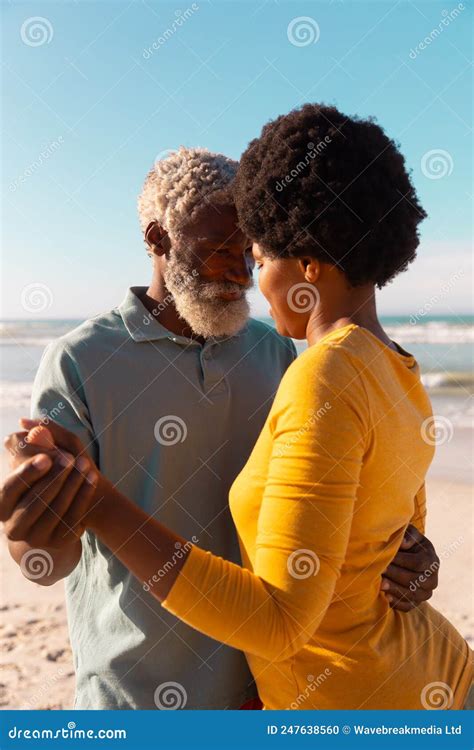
(330, 368)
(337, 356)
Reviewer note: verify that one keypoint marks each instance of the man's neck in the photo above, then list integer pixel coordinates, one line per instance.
(160, 303)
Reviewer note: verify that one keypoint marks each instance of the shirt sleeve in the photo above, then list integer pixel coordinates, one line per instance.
(319, 429)
(58, 395)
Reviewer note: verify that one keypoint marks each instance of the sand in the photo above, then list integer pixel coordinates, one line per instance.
(36, 670)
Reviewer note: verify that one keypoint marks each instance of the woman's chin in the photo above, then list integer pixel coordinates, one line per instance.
(281, 328)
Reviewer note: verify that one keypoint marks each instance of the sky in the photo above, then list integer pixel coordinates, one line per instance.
(95, 92)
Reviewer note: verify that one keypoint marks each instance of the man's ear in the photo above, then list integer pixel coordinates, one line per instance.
(311, 269)
(156, 237)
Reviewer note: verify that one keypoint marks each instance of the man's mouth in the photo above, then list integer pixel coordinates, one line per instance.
(231, 296)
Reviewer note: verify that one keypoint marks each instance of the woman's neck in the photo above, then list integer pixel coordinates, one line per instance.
(356, 306)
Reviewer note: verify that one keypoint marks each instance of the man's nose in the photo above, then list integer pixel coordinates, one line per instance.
(240, 272)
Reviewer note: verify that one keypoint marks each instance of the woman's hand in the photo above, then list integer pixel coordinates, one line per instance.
(46, 500)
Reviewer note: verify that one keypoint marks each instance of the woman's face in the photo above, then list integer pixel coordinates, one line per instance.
(291, 297)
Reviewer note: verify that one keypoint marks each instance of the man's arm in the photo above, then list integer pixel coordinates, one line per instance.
(58, 394)
(412, 576)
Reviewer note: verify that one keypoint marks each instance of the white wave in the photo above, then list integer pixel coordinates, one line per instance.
(25, 341)
(16, 395)
(431, 333)
(445, 379)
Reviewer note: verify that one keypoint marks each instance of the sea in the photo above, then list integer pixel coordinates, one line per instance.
(442, 345)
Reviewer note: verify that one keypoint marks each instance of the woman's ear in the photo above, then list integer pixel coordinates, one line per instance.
(155, 235)
(311, 269)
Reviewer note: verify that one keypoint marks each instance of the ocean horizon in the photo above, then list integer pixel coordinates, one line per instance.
(442, 345)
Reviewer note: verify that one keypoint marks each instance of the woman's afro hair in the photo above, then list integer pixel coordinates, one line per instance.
(321, 184)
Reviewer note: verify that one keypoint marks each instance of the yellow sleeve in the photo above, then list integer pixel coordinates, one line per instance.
(319, 428)
(419, 515)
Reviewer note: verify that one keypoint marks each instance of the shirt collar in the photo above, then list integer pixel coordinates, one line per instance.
(143, 326)
(140, 324)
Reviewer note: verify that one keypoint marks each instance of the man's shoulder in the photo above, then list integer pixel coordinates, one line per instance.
(261, 333)
(96, 332)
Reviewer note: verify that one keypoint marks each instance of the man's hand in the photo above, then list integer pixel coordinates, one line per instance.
(44, 500)
(412, 575)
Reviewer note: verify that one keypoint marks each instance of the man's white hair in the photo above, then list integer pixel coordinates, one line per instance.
(180, 184)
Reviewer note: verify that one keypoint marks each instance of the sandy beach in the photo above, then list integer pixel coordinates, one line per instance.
(36, 669)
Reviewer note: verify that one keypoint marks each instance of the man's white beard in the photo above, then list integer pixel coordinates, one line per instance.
(198, 302)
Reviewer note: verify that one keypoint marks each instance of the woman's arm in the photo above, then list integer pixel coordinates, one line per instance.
(303, 530)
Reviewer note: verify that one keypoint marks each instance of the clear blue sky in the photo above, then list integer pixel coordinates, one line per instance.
(101, 108)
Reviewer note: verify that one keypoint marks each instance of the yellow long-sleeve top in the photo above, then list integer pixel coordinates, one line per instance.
(320, 509)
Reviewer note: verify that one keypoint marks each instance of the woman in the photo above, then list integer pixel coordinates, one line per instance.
(332, 213)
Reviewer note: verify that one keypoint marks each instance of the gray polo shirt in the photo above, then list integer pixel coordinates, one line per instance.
(171, 423)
